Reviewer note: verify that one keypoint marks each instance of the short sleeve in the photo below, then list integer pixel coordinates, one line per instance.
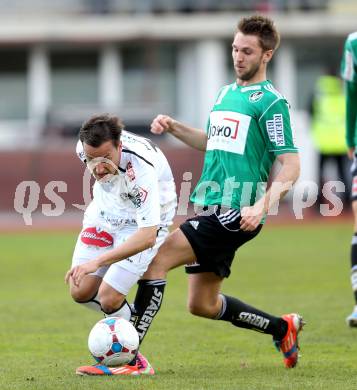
(220, 95)
(276, 127)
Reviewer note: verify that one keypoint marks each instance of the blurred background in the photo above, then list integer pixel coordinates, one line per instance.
(65, 60)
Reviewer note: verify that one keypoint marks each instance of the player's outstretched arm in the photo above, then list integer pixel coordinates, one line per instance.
(196, 138)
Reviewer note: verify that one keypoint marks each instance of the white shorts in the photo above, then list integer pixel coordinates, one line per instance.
(95, 240)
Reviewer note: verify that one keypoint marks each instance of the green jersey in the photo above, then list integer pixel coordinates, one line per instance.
(349, 74)
(247, 128)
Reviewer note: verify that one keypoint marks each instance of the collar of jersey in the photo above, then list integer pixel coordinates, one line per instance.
(260, 84)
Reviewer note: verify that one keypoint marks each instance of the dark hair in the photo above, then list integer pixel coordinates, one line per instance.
(263, 28)
(101, 128)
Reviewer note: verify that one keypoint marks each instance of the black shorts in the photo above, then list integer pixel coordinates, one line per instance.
(214, 239)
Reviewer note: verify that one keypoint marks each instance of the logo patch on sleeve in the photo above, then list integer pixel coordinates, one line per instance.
(275, 129)
(96, 237)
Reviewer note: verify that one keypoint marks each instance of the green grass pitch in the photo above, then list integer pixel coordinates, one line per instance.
(303, 268)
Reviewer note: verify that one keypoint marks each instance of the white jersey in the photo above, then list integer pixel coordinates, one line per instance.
(143, 192)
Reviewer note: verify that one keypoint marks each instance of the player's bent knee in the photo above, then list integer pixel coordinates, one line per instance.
(85, 299)
(86, 291)
(202, 308)
(82, 296)
(197, 309)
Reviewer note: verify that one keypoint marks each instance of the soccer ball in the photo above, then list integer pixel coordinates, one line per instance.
(113, 341)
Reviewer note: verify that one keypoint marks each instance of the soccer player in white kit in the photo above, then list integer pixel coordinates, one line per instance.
(134, 202)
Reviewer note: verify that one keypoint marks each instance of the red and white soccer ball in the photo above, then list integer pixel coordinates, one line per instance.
(113, 341)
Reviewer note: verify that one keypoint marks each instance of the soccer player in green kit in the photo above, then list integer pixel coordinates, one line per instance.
(248, 128)
(349, 74)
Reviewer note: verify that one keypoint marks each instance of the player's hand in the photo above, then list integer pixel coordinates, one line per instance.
(251, 217)
(161, 124)
(78, 272)
(351, 153)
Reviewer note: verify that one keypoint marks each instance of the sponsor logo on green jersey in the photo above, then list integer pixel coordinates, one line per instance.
(256, 96)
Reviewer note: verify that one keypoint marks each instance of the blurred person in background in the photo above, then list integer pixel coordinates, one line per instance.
(349, 75)
(134, 202)
(327, 111)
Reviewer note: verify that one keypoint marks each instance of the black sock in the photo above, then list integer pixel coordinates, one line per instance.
(244, 316)
(147, 303)
(354, 266)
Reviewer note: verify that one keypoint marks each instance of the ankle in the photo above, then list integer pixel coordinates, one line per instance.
(281, 330)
